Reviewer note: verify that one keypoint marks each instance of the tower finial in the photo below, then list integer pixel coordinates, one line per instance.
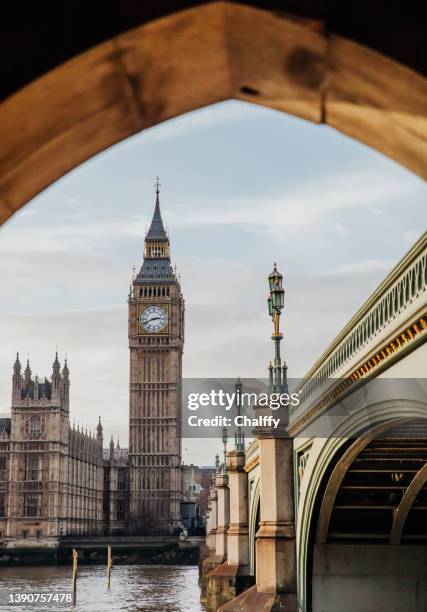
(27, 371)
(157, 230)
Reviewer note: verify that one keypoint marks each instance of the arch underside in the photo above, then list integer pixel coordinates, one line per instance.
(331, 538)
(369, 533)
(198, 57)
(382, 496)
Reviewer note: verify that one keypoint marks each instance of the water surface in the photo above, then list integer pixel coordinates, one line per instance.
(154, 588)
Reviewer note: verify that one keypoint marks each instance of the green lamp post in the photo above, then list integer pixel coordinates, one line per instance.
(224, 441)
(239, 437)
(276, 302)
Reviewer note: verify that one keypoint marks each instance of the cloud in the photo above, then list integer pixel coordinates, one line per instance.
(74, 235)
(362, 268)
(204, 118)
(340, 228)
(315, 203)
(411, 236)
(301, 206)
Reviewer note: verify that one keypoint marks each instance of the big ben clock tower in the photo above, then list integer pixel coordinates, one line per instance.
(156, 339)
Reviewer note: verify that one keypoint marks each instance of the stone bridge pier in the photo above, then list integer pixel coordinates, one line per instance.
(232, 575)
(230, 585)
(208, 560)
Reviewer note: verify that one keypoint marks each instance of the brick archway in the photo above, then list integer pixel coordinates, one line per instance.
(194, 58)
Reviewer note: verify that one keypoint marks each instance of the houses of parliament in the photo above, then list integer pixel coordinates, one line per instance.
(57, 480)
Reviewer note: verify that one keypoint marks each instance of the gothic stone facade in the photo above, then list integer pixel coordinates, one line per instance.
(116, 489)
(56, 480)
(51, 475)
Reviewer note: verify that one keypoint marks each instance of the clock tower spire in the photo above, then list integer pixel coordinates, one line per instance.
(157, 241)
(156, 340)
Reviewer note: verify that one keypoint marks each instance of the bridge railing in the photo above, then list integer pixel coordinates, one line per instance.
(393, 316)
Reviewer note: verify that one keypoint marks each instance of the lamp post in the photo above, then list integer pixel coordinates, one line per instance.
(276, 302)
(224, 441)
(276, 561)
(239, 437)
(216, 463)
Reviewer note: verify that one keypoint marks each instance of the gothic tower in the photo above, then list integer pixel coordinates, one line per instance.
(156, 339)
(38, 464)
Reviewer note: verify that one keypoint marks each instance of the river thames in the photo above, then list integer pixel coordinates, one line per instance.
(154, 588)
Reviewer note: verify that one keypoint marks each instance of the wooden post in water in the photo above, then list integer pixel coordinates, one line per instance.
(74, 586)
(109, 564)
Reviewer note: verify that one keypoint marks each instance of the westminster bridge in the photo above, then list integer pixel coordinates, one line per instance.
(332, 510)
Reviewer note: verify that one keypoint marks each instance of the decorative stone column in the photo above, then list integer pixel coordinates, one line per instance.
(209, 559)
(223, 514)
(215, 579)
(276, 583)
(275, 539)
(211, 522)
(232, 576)
(238, 533)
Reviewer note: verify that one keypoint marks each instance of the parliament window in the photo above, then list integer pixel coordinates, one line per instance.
(121, 507)
(34, 467)
(3, 475)
(2, 504)
(32, 504)
(121, 480)
(35, 426)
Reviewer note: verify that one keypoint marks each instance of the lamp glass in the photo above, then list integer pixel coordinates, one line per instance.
(278, 298)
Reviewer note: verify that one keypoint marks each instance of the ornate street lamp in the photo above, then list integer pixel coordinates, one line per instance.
(239, 437)
(224, 441)
(276, 302)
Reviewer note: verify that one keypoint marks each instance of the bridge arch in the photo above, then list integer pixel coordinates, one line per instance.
(403, 510)
(323, 470)
(195, 58)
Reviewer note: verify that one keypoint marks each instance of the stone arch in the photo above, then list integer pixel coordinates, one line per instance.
(224, 51)
(406, 505)
(339, 472)
(326, 452)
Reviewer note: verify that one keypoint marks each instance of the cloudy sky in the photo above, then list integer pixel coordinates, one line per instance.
(242, 187)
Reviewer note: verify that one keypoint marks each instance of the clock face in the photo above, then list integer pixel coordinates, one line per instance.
(153, 319)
